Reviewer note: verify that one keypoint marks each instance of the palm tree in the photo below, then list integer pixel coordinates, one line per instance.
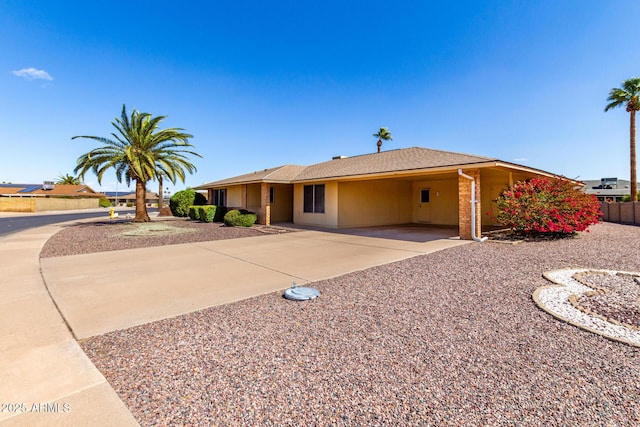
(141, 152)
(629, 96)
(68, 180)
(383, 135)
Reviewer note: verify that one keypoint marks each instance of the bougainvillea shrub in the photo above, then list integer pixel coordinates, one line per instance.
(547, 206)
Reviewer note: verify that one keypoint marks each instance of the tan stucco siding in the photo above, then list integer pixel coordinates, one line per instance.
(253, 197)
(234, 196)
(376, 202)
(443, 204)
(327, 219)
(282, 206)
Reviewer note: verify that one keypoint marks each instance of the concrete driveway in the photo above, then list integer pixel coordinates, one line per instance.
(102, 292)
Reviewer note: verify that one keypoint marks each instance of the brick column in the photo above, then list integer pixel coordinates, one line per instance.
(264, 216)
(464, 205)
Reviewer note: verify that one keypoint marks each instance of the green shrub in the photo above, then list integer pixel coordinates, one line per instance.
(627, 198)
(182, 200)
(194, 212)
(104, 202)
(237, 219)
(547, 206)
(129, 204)
(207, 213)
(220, 213)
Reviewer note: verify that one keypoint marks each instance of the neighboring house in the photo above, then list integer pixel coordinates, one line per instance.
(608, 189)
(411, 185)
(47, 196)
(48, 189)
(124, 197)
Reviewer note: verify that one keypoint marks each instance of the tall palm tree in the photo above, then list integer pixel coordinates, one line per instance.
(68, 179)
(141, 152)
(383, 135)
(629, 96)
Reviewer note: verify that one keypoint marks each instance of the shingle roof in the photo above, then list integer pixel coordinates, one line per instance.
(284, 173)
(405, 159)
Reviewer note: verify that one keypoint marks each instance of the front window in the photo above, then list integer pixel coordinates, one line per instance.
(314, 198)
(219, 197)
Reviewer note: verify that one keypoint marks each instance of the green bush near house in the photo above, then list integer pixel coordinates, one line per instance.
(181, 201)
(104, 202)
(129, 204)
(207, 213)
(221, 211)
(235, 218)
(194, 212)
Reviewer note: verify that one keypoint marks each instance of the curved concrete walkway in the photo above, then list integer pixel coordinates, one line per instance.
(43, 367)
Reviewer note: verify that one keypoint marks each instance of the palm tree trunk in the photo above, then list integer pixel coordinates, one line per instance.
(159, 193)
(632, 155)
(141, 202)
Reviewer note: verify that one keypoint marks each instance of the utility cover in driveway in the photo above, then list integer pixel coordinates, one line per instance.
(301, 293)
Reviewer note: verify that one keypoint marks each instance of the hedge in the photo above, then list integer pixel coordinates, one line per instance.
(194, 212)
(235, 218)
(207, 212)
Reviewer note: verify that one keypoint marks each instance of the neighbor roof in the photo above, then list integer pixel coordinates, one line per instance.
(58, 190)
(405, 159)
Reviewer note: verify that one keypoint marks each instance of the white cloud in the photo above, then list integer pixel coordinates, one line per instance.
(520, 159)
(32, 74)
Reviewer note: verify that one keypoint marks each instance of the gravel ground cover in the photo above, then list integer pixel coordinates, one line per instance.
(101, 236)
(449, 338)
(618, 299)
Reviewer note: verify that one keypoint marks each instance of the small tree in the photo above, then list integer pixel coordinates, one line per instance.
(182, 200)
(547, 206)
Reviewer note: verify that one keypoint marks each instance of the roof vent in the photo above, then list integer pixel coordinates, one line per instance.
(48, 185)
(339, 157)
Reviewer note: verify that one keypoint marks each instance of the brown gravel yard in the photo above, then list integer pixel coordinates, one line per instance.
(449, 338)
(101, 236)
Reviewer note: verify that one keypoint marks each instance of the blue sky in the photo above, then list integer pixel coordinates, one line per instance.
(261, 84)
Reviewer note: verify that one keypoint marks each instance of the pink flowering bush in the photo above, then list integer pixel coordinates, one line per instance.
(550, 206)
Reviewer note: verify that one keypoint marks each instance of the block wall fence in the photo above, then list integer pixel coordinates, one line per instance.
(621, 212)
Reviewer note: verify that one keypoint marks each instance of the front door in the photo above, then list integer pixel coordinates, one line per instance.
(424, 205)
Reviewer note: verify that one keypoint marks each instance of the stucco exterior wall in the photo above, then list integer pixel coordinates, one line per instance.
(443, 203)
(253, 197)
(327, 219)
(234, 196)
(282, 206)
(376, 202)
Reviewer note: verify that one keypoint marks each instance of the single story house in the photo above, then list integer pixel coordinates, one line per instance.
(48, 189)
(121, 198)
(411, 185)
(47, 196)
(608, 189)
